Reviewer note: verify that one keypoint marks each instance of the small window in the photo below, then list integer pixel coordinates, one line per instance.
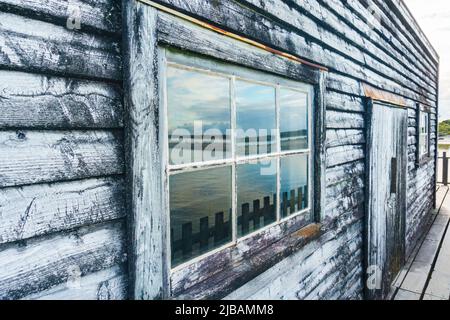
(239, 153)
(423, 135)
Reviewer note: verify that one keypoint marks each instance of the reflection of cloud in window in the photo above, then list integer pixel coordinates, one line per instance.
(255, 106)
(293, 112)
(194, 96)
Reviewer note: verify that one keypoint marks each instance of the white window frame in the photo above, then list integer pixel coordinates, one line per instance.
(423, 120)
(171, 58)
(424, 125)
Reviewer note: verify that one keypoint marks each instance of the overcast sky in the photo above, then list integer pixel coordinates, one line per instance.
(434, 18)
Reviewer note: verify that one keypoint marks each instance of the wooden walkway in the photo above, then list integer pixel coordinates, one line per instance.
(426, 276)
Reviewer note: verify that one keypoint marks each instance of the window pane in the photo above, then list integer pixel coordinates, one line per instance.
(199, 115)
(256, 195)
(293, 120)
(423, 133)
(294, 185)
(200, 212)
(255, 119)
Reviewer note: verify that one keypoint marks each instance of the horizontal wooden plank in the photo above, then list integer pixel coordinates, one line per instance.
(345, 203)
(337, 101)
(37, 101)
(345, 154)
(42, 209)
(28, 157)
(344, 120)
(342, 173)
(101, 15)
(108, 284)
(41, 263)
(41, 47)
(336, 138)
(345, 188)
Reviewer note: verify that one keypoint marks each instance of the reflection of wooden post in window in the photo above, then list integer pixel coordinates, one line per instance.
(256, 214)
(219, 231)
(204, 234)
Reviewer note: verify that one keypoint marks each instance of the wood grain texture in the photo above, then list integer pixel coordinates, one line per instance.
(175, 32)
(100, 15)
(407, 25)
(35, 43)
(36, 265)
(331, 32)
(344, 154)
(306, 272)
(37, 210)
(229, 269)
(146, 209)
(37, 46)
(238, 18)
(386, 196)
(28, 157)
(344, 120)
(344, 137)
(341, 102)
(45, 102)
(108, 284)
(355, 14)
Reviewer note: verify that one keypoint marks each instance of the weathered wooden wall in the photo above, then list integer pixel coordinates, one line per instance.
(62, 227)
(61, 140)
(388, 53)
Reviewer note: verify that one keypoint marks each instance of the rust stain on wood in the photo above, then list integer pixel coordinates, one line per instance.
(232, 35)
(309, 231)
(383, 96)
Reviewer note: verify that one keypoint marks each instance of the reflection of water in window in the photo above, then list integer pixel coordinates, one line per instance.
(293, 184)
(200, 212)
(256, 197)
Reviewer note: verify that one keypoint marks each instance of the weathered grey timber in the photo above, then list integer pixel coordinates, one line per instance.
(83, 189)
(146, 214)
(62, 189)
(35, 101)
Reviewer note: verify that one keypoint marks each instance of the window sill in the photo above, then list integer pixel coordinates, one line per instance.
(220, 274)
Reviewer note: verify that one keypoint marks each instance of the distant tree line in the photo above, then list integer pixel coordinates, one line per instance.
(444, 128)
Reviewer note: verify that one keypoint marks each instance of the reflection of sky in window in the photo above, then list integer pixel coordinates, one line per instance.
(294, 172)
(293, 120)
(255, 118)
(255, 106)
(294, 111)
(195, 96)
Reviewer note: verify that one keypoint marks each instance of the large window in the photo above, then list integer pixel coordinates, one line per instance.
(239, 146)
(424, 135)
